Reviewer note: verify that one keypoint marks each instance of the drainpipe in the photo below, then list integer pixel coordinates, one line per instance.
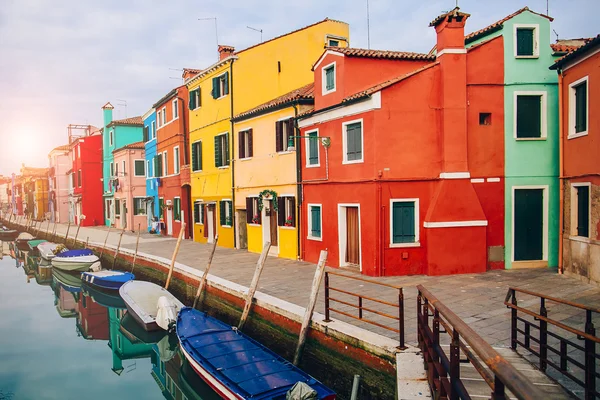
(235, 239)
(298, 183)
(186, 150)
(561, 223)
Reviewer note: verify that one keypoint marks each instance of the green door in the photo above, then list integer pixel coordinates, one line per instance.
(529, 224)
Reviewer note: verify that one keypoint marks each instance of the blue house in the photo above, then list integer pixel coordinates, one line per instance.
(150, 153)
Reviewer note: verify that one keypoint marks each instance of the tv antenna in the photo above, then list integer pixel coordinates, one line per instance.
(122, 103)
(368, 28)
(556, 33)
(176, 69)
(216, 29)
(257, 30)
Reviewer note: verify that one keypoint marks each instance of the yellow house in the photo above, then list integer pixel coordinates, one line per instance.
(238, 82)
(41, 198)
(265, 174)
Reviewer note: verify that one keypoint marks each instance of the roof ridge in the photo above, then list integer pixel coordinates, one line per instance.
(303, 92)
(474, 35)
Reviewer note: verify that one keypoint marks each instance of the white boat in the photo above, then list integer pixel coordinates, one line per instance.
(46, 250)
(152, 306)
(75, 260)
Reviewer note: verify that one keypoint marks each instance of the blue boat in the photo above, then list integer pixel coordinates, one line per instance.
(236, 366)
(107, 279)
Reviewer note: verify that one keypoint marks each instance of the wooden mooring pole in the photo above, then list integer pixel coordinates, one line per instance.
(105, 239)
(181, 232)
(54, 229)
(67, 234)
(48, 230)
(311, 306)
(87, 242)
(202, 282)
(252, 289)
(137, 243)
(76, 235)
(118, 247)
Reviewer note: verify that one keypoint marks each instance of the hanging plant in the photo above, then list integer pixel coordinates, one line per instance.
(267, 194)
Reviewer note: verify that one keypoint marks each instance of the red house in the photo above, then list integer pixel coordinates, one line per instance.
(86, 175)
(406, 176)
(92, 321)
(172, 161)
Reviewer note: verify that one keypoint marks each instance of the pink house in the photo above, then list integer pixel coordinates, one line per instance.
(130, 187)
(59, 163)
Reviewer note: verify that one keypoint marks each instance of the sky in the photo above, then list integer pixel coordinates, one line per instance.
(62, 60)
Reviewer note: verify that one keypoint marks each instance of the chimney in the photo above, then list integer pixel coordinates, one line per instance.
(189, 73)
(225, 51)
(107, 111)
(452, 56)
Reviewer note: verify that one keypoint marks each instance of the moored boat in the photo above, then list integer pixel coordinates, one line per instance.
(22, 241)
(151, 305)
(8, 235)
(75, 260)
(236, 366)
(136, 334)
(107, 279)
(46, 250)
(71, 282)
(33, 244)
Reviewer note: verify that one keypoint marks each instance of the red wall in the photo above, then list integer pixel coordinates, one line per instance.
(93, 318)
(90, 164)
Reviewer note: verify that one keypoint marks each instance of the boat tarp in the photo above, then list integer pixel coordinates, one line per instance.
(76, 253)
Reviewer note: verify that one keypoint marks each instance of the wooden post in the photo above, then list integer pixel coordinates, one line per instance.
(252, 289)
(67, 234)
(181, 232)
(105, 239)
(76, 234)
(311, 306)
(54, 229)
(202, 282)
(48, 230)
(137, 242)
(118, 247)
(87, 242)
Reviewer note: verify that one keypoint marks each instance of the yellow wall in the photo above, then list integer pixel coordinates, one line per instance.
(41, 197)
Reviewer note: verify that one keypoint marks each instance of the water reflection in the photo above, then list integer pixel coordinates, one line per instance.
(98, 316)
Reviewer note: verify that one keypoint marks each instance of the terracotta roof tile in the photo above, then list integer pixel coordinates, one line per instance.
(64, 147)
(455, 13)
(383, 54)
(304, 93)
(498, 24)
(135, 121)
(575, 53)
(568, 45)
(131, 146)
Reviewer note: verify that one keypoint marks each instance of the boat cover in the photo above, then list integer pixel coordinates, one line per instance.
(243, 365)
(76, 253)
(34, 243)
(108, 276)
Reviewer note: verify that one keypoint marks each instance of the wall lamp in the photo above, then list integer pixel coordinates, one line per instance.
(325, 141)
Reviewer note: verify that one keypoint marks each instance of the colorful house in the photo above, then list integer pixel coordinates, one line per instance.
(116, 134)
(58, 184)
(171, 156)
(35, 191)
(579, 91)
(122, 348)
(86, 206)
(92, 319)
(389, 152)
(130, 187)
(266, 190)
(149, 154)
(214, 100)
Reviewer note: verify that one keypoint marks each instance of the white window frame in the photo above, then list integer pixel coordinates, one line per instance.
(254, 210)
(158, 119)
(124, 170)
(536, 39)
(143, 208)
(196, 94)
(192, 149)
(111, 138)
(175, 109)
(164, 115)
(307, 146)
(144, 163)
(417, 242)
(574, 211)
(148, 169)
(222, 150)
(165, 160)
(153, 166)
(177, 197)
(324, 90)
(227, 214)
(222, 86)
(176, 160)
(245, 132)
(362, 141)
(153, 133)
(309, 224)
(572, 108)
(543, 113)
(112, 169)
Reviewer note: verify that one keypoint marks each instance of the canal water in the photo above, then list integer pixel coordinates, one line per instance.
(62, 340)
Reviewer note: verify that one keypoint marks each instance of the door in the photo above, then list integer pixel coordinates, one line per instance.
(124, 216)
(211, 220)
(529, 224)
(242, 229)
(273, 226)
(352, 240)
(169, 220)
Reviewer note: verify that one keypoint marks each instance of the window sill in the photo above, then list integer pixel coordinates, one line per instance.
(253, 224)
(223, 167)
(222, 97)
(284, 152)
(313, 165)
(540, 139)
(528, 57)
(138, 176)
(404, 245)
(317, 239)
(196, 171)
(576, 135)
(225, 226)
(245, 159)
(326, 92)
(353, 161)
(289, 228)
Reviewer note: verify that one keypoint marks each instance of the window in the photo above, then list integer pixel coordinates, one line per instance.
(176, 160)
(158, 165)
(580, 206)
(175, 109)
(353, 142)
(333, 43)
(153, 131)
(312, 149)
(404, 222)
(165, 163)
(148, 169)
(226, 213)
(485, 118)
(123, 167)
(111, 138)
(79, 178)
(139, 207)
(197, 213)
(195, 99)
(286, 211)
(117, 207)
(328, 78)
(139, 168)
(146, 134)
(578, 108)
(197, 156)
(78, 151)
(530, 115)
(177, 208)
(112, 169)
(161, 207)
(526, 41)
(253, 214)
(314, 221)
(245, 143)
(222, 150)
(107, 207)
(283, 131)
(220, 85)
(164, 115)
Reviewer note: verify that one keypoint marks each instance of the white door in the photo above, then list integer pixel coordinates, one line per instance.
(209, 220)
(169, 221)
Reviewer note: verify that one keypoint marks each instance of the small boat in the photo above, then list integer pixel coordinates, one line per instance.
(46, 250)
(151, 305)
(236, 366)
(192, 386)
(69, 281)
(108, 299)
(43, 275)
(22, 241)
(107, 279)
(8, 235)
(33, 244)
(75, 260)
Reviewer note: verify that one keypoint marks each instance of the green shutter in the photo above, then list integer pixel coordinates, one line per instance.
(226, 88)
(354, 141)
(315, 221)
(329, 77)
(529, 117)
(222, 206)
(177, 207)
(161, 204)
(215, 88)
(583, 211)
(313, 149)
(525, 42)
(196, 213)
(226, 149)
(403, 222)
(139, 168)
(194, 157)
(581, 108)
(218, 151)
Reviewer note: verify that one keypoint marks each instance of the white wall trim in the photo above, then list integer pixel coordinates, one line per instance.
(455, 224)
(477, 180)
(574, 210)
(536, 39)
(324, 90)
(455, 175)
(342, 228)
(493, 179)
(451, 51)
(545, 203)
(580, 59)
(371, 103)
(307, 148)
(320, 60)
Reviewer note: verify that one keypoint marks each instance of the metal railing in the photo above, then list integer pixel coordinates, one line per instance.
(567, 365)
(360, 306)
(443, 371)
